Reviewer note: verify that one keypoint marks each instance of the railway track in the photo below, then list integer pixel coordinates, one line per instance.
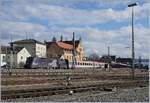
(12, 94)
(61, 80)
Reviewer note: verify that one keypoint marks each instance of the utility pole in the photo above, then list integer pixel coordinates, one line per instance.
(108, 51)
(11, 56)
(133, 53)
(109, 58)
(73, 52)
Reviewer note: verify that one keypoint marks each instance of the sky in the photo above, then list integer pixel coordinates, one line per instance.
(100, 23)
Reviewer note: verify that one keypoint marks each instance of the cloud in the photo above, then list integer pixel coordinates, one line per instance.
(15, 18)
(20, 30)
(61, 15)
(98, 40)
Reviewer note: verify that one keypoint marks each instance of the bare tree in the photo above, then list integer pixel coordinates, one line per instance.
(93, 56)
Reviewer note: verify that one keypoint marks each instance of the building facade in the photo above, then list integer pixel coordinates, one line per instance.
(17, 58)
(3, 51)
(35, 48)
(21, 56)
(64, 50)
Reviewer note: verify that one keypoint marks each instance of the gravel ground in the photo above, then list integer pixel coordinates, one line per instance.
(123, 95)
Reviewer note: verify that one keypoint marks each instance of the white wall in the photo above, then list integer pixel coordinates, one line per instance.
(3, 59)
(40, 50)
(22, 56)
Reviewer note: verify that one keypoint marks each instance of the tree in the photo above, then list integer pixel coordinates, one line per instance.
(54, 39)
(61, 38)
(93, 56)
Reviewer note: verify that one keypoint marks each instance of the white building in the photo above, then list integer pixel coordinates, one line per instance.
(17, 59)
(3, 51)
(20, 56)
(35, 48)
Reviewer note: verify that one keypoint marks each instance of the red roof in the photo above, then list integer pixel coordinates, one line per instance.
(60, 44)
(64, 45)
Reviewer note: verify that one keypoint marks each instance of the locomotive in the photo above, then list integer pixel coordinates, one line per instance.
(48, 63)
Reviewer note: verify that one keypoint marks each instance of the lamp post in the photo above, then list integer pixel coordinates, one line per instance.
(133, 53)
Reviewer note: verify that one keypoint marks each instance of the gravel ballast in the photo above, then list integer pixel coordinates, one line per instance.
(122, 95)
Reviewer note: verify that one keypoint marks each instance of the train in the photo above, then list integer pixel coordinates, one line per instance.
(51, 63)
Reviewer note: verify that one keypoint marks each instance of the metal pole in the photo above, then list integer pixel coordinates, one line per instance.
(109, 60)
(108, 51)
(133, 54)
(73, 54)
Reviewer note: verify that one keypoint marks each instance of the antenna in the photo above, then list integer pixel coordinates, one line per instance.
(26, 34)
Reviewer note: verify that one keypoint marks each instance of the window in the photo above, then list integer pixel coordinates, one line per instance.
(3, 58)
(67, 57)
(21, 57)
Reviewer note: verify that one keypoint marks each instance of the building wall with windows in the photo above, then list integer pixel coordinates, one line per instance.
(35, 48)
(54, 51)
(64, 49)
(21, 57)
(68, 55)
(80, 52)
(3, 59)
(40, 50)
(17, 58)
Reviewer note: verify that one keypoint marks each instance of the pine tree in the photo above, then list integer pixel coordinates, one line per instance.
(61, 38)
(54, 39)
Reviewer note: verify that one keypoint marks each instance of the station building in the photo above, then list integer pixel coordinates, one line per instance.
(64, 49)
(35, 48)
(18, 57)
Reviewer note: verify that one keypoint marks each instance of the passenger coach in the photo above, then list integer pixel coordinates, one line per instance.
(49, 63)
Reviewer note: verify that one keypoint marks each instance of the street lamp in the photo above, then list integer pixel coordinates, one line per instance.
(133, 54)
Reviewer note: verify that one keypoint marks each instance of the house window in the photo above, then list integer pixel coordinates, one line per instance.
(21, 57)
(3, 58)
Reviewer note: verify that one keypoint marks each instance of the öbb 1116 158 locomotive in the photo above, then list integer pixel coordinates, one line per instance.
(49, 63)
